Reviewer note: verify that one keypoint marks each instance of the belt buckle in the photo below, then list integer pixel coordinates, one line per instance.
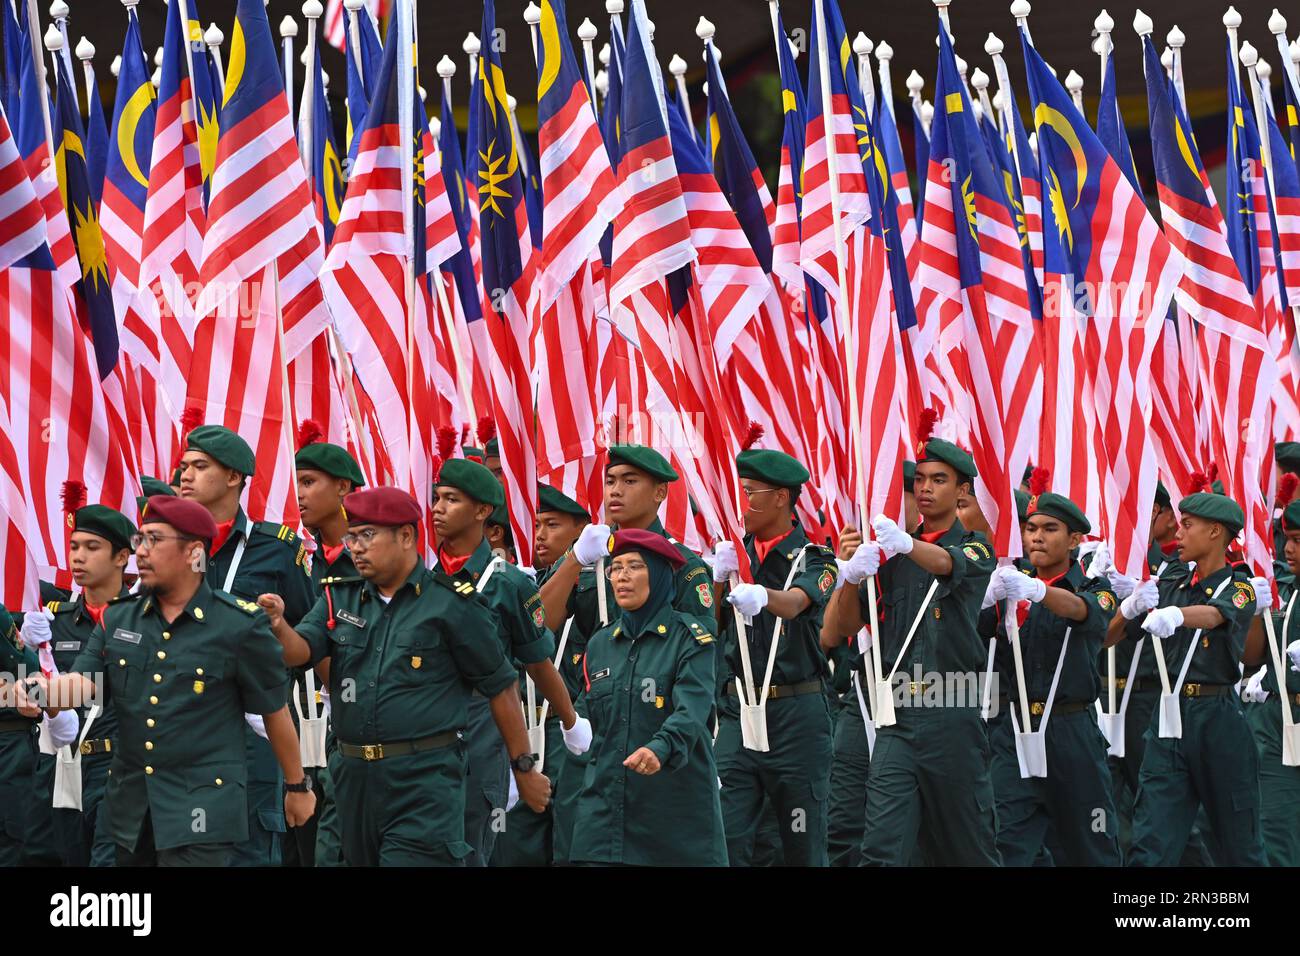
(86, 748)
(372, 752)
(773, 691)
(1036, 708)
(1120, 682)
(1191, 690)
(915, 687)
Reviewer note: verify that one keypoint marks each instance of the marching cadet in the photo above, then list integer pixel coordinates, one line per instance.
(326, 475)
(248, 558)
(847, 816)
(17, 742)
(1203, 614)
(529, 839)
(930, 770)
(1279, 785)
(497, 532)
(99, 548)
(464, 497)
(1062, 628)
(406, 646)
(793, 580)
(183, 664)
(650, 793)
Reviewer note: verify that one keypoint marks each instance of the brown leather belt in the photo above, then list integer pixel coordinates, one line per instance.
(777, 691)
(399, 748)
(104, 745)
(1037, 707)
(1205, 690)
(16, 726)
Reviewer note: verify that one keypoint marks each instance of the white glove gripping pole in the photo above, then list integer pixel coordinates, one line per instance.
(1171, 717)
(884, 697)
(602, 599)
(1290, 738)
(1031, 745)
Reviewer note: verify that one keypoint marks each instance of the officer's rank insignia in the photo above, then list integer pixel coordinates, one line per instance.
(539, 616)
(417, 662)
(248, 606)
(350, 618)
(1106, 600)
(659, 703)
(705, 593)
(198, 687)
(826, 581)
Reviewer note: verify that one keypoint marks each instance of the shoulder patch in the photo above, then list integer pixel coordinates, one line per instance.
(826, 581)
(1106, 600)
(697, 571)
(977, 551)
(1243, 594)
(705, 593)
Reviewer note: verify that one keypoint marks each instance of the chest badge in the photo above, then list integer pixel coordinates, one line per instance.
(351, 618)
(198, 687)
(417, 662)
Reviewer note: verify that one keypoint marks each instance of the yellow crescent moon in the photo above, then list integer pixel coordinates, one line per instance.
(1185, 148)
(235, 68)
(126, 129)
(1046, 116)
(549, 32)
(498, 87)
(333, 176)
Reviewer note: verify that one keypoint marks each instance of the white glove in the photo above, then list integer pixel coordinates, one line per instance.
(1293, 652)
(578, 737)
(1253, 692)
(512, 797)
(325, 702)
(864, 563)
(36, 627)
(257, 723)
(1101, 561)
(725, 562)
(1163, 621)
(1263, 595)
(1121, 584)
(1144, 598)
(63, 727)
(748, 599)
(994, 593)
(1020, 587)
(893, 539)
(592, 545)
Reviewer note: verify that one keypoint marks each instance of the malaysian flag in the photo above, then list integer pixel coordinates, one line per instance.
(1121, 273)
(96, 135)
(337, 18)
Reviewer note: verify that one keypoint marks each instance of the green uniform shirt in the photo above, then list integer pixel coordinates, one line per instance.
(512, 597)
(655, 691)
(403, 670)
(946, 639)
(1218, 650)
(341, 567)
(799, 656)
(1041, 635)
(273, 562)
(70, 631)
(1285, 632)
(181, 689)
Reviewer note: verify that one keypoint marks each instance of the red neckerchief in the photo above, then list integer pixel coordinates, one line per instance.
(764, 548)
(96, 612)
(450, 563)
(931, 537)
(1169, 547)
(331, 552)
(1022, 608)
(223, 533)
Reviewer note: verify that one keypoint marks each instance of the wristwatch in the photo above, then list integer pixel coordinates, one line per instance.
(304, 786)
(524, 763)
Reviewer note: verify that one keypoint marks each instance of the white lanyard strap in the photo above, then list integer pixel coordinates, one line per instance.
(1191, 650)
(1056, 679)
(559, 656)
(487, 574)
(1288, 719)
(911, 631)
(795, 567)
(1132, 674)
(239, 556)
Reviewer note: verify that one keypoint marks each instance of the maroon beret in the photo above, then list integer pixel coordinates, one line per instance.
(188, 517)
(647, 542)
(386, 507)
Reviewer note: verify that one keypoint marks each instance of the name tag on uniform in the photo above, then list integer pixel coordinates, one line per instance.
(129, 636)
(351, 618)
(599, 674)
(67, 645)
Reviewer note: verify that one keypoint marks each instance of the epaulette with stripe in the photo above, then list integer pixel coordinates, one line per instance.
(348, 579)
(281, 532)
(463, 588)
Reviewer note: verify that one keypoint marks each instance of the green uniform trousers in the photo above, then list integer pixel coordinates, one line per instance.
(1279, 786)
(1073, 801)
(1214, 764)
(930, 786)
(402, 811)
(528, 837)
(794, 775)
(329, 837)
(41, 845)
(850, 765)
(265, 806)
(196, 854)
(17, 762)
(82, 834)
(487, 781)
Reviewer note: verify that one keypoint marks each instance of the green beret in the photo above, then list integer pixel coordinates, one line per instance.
(1063, 509)
(471, 451)
(331, 459)
(176, 479)
(223, 446)
(909, 475)
(937, 449)
(1287, 454)
(1215, 507)
(105, 522)
(154, 486)
(473, 479)
(548, 499)
(1291, 516)
(643, 459)
(1162, 495)
(1217, 487)
(492, 449)
(500, 516)
(773, 467)
(1022, 505)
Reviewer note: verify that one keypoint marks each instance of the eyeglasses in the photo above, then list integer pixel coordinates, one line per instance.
(750, 492)
(361, 540)
(148, 540)
(625, 570)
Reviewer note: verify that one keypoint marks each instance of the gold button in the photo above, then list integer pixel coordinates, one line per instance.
(149, 722)
(218, 781)
(199, 671)
(148, 769)
(153, 700)
(157, 678)
(167, 635)
(148, 745)
(198, 613)
(121, 661)
(162, 655)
